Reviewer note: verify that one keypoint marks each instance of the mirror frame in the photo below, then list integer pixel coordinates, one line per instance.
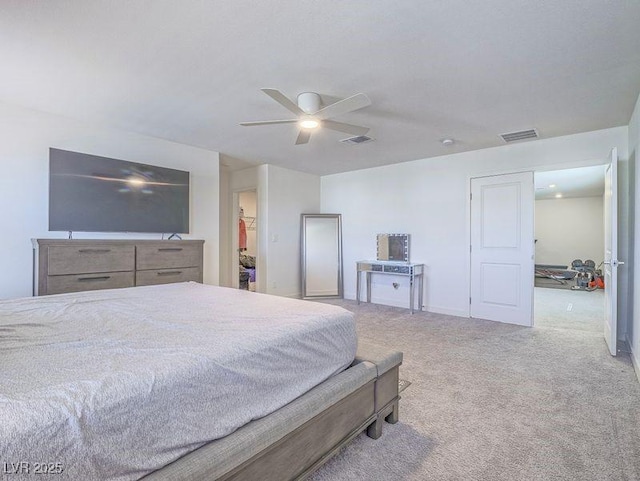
(402, 238)
(303, 256)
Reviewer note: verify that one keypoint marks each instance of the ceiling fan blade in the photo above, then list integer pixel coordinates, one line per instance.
(268, 122)
(283, 100)
(303, 137)
(355, 102)
(342, 127)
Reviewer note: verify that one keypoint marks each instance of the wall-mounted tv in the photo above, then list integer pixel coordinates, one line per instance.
(88, 193)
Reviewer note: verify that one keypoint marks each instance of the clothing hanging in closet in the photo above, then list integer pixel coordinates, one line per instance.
(242, 235)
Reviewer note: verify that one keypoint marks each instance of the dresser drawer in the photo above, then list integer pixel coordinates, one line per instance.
(71, 265)
(165, 255)
(71, 259)
(89, 282)
(167, 276)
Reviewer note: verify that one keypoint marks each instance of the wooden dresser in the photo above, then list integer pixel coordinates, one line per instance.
(73, 265)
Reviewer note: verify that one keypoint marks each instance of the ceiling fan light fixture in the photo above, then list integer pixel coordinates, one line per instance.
(311, 115)
(309, 124)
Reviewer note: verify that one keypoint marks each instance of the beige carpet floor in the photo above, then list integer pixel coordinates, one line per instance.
(567, 309)
(493, 402)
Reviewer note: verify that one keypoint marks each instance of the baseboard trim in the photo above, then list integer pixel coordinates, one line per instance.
(635, 360)
(383, 301)
(396, 303)
(447, 311)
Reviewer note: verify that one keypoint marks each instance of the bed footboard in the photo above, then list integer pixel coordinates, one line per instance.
(387, 402)
(294, 441)
(304, 450)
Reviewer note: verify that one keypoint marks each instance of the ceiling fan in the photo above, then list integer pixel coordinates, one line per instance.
(311, 115)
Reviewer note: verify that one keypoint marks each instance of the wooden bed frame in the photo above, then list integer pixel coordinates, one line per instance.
(308, 446)
(289, 443)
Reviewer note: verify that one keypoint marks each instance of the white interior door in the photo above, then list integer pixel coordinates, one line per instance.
(502, 264)
(611, 261)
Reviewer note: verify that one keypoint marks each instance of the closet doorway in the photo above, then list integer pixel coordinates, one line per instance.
(246, 247)
(569, 249)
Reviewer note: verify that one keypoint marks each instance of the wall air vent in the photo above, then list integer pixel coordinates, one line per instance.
(521, 135)
(360, 139)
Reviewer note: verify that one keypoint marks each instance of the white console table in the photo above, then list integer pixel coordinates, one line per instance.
(413, 271)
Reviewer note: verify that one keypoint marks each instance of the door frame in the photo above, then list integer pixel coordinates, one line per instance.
(532, 168)
(235, 238)
(550, 170)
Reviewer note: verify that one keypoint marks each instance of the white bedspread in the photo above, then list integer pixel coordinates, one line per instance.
(116, 384)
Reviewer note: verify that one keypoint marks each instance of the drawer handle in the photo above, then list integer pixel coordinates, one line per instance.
(91, 279)
(169, 273)
(170, 249)
(94, 251)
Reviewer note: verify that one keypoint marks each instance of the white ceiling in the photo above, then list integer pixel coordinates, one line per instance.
(191, 70)
(581, 182)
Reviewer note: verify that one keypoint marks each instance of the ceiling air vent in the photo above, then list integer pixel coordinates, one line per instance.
(521, 135)
(360, 139)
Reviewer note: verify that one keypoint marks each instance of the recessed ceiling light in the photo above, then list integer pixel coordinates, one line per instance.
(552, 186)
(447, 142)
(558, 196)
(309, 123)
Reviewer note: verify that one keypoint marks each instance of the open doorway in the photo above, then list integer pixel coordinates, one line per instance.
(569, 249)
(247, 239)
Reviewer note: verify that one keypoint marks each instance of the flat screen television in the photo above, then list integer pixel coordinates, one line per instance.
(88, 193)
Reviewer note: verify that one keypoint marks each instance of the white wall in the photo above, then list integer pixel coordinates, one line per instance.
(428, 198)
(225, 240)
(633, 333)
(234, 182)
(25, 138)
(568, 229)
(284, 194)
(281, 196)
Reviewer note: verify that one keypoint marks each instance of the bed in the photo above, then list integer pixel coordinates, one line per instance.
(177, 382)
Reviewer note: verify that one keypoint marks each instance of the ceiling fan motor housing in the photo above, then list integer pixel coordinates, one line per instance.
(311, 115)
(309, 102)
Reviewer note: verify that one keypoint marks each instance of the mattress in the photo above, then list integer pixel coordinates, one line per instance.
(115, 384)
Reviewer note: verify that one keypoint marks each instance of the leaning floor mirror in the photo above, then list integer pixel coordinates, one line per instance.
(321, 241)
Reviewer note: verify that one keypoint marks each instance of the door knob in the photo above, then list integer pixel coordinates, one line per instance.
(614, 263)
